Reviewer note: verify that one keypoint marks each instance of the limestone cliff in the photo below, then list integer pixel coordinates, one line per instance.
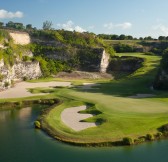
(19, 71)
(21, 38)
(104, 62)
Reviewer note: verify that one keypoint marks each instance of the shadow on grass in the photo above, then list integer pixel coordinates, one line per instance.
(129, 86)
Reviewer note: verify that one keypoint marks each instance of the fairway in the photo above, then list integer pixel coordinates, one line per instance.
(121, 115)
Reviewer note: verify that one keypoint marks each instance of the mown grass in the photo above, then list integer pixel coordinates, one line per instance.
(122, 115)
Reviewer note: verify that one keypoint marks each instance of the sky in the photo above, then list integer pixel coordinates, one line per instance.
(138, 18)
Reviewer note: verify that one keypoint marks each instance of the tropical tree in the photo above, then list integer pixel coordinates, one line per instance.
(47, 25)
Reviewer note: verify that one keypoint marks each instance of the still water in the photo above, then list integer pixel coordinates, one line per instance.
(20, 142)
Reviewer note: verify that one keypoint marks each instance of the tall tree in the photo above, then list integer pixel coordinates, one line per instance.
(47, 25)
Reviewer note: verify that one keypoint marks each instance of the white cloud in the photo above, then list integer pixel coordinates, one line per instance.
(70, 26)
(109, 26)
(7, 14)
(162, 29)
(125, 25)
(79, 29)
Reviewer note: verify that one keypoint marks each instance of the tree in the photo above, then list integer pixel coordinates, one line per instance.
(1, 24)
(47, 25)
(122, 37)
(129, 37)
(29, 26)
(162, 38)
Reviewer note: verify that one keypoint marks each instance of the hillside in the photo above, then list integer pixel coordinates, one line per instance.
(44, 53)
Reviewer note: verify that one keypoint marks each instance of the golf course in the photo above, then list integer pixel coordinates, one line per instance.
(123, 108)
(126, 108)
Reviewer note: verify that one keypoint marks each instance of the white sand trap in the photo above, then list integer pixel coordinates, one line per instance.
(71, 118)
(142, 95)
(20, 90)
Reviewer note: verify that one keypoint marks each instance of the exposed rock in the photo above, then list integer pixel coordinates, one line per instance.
(18, 71)
(2, 46)
(21, 38)
(104, 62)
(125, 64)
(83, 75)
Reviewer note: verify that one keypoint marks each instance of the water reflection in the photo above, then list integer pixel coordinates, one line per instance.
(21, 114)
(25, 113)
(4, 115)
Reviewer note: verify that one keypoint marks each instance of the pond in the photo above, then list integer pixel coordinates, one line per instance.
(20, 142)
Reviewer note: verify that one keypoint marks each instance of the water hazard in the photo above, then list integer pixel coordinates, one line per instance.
(20, 142)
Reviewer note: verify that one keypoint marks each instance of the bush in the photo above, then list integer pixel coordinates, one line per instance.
(159, 134)
(37, 124)
(164, 128)
(128, 141)
(139, 140)
(6, 84)
(51, 102)
(26, 58)
(150, 137)
(25, 78)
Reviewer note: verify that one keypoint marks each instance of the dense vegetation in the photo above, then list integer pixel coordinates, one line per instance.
(161, 81)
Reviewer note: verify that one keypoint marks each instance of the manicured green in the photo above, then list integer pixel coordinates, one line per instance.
(122, 116)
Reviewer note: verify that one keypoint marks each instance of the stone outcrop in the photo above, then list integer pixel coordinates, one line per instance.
(21, 38)
(104, 62)
(125, 64)
(19, 71)
(93, 60)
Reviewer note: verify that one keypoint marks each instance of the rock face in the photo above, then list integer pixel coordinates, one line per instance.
(93, 60)
(20, 37)
(104, 62)
(125, 64)
(19, 71)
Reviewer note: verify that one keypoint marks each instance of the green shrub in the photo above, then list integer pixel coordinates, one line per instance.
(12, 83)
(6, 84)
(150, 137)
(159, 134)
(139, 140)
(51, 102)
(37, 124)
(128, 141)
(1, 77)
(164, 128)
(26, 58)
(25, 78)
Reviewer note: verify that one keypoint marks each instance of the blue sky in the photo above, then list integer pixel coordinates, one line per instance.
(130, 17)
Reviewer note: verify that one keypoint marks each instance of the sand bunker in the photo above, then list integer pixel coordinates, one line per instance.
(20, 90)
(142, 95)
(71, 118)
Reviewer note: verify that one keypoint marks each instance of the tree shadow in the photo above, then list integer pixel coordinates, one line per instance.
(129, 86)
